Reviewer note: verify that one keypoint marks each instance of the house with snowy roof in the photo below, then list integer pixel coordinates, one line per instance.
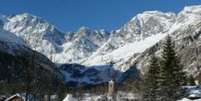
(16, 97)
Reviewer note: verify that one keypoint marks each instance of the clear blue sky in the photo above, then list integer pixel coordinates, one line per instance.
(69, 15)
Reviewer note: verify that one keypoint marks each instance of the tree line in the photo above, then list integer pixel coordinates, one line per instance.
(22, 74)
(165, 78)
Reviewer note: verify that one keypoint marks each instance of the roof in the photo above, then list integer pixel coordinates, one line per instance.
(13, 96)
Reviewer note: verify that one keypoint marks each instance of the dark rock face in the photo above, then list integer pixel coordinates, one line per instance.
(77, 75)
(19, 65)
(132, 73)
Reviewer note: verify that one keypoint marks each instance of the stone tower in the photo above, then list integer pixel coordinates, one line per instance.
(110, 88)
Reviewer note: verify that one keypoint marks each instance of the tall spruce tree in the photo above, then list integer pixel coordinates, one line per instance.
(151, 83)
(191, 80)
(172, 74)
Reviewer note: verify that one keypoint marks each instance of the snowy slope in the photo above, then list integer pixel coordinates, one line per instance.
(125, 52)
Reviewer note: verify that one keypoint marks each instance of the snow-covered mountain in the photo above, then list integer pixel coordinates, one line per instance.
(131, 43)
(36, 32)
(147, 32)
(57, 45)
(186, 34)
(139, 34)
(90, 47)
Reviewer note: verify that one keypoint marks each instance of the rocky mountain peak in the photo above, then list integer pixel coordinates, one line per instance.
(90, 47)
(192, 9)
(132, 43)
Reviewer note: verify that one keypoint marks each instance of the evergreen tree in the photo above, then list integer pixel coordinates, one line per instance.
(172, 75)
(151, 84)
(191, 81)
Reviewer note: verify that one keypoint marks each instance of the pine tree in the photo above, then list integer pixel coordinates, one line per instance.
(172, 75)
(151, 84)
(191, 81)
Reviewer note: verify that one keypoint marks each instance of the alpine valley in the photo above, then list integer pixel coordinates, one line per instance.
(96, 56)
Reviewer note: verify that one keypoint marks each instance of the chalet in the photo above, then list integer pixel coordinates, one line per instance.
(15, 97)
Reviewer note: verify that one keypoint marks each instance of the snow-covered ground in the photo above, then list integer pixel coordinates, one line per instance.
(186, 99)
(120, 96)
(193, 92)
(69, 97)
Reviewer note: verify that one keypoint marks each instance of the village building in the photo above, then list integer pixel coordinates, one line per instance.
(15, 97)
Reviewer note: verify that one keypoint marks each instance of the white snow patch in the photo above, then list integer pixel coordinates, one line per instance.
(69, 97)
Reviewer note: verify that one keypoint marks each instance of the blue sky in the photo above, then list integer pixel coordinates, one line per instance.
(69, 15)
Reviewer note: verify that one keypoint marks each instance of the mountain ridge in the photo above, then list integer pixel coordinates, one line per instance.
(98, 47)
